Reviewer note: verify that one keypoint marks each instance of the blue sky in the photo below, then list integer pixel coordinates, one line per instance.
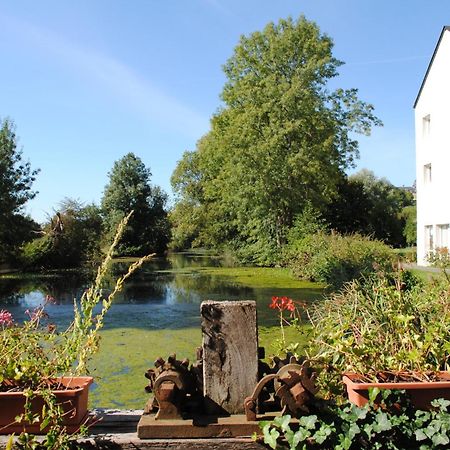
(88, 81)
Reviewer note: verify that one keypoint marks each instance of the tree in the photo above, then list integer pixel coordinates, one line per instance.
(371, 206)
(129, 189)
(282, 139)
(70, 238)
(16, 179)
(409, 215)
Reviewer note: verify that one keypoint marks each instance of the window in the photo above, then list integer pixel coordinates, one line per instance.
(426, 126)
(427, 173)
(442, 235)
(429, 239)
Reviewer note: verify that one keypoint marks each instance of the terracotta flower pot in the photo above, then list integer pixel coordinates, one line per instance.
(73, 397)
(421, 392)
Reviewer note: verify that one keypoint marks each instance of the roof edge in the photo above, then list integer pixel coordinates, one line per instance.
(444, 29)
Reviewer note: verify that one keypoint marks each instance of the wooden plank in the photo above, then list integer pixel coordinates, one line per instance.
(132, 443)
(105, 435)
(129, 441)
(200, 427)
(230, 354)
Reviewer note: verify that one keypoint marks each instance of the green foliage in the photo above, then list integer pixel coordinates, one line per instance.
(16, 179)
(371, 206)
(129, 188)
(383, 324)
(335, 259)
(282, 140)
(440, 258)
(308, 222)
(34, 353)
(391, 425)
(409, 215)
(70, 239)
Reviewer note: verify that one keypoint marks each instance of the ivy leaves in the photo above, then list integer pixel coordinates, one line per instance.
(433, 425)
(391, 425)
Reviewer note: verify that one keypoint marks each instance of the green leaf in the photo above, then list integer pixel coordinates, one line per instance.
(441, 403)
(382, 423)
(432, 429)
(353, 430)
(440, 439)
(270, 436)
(321, 435)
(420, 435)
(373, 394)
(301, 435)
(309, 422)
(282, 422)
(345, 442)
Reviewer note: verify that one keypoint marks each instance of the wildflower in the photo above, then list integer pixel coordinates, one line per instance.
(6, 318)
(37, 314)
(274, 304)
(285, 304)
(282, 303)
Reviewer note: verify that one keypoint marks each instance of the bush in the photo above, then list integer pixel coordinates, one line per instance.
(70, 239)
(336, 259)
(37, 253)
(384, 324)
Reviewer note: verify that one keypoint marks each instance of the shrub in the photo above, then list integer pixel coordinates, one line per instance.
(70, 239)
(384, 324)
(336, 259)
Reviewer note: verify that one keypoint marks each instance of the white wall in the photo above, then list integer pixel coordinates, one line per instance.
(433, 198)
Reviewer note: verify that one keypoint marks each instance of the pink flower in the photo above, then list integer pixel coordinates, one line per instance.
(6, 318)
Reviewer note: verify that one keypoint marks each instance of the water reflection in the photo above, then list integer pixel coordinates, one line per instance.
(165, 293)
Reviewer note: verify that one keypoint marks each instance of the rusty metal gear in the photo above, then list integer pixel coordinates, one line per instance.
(171, 381)
(293, 384)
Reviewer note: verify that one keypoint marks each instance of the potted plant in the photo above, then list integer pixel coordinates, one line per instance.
(389, 332)
(41, 387)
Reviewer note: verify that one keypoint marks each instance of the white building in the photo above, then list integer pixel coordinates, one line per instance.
(432, 120)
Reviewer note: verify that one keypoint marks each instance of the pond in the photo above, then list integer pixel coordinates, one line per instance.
(157, 313)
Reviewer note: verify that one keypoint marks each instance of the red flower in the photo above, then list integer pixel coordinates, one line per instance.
(290, 306)
(274, 304)
(282, 303)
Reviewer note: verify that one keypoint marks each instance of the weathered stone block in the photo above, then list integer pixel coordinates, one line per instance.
(230, 354)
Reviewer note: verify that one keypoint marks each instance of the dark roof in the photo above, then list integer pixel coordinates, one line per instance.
(444, 29)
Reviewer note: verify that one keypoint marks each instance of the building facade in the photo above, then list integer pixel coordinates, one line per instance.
(432, 124)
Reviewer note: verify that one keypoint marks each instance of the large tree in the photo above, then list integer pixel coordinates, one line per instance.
(372, 206)
(16, 180)
(129, 189)
(281, 140)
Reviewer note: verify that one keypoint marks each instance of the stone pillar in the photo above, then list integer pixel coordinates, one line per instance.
(230, 354)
